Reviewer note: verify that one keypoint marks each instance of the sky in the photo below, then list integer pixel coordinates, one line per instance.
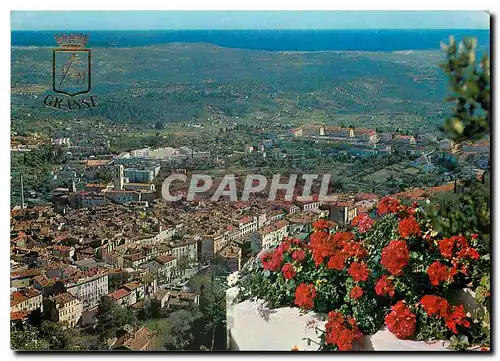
(194, 20)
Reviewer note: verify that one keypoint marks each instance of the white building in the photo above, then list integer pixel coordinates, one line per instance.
(247, 225)
(89, 289)
(64, 308)
(271, 235)
(185, 249)
(26, 300)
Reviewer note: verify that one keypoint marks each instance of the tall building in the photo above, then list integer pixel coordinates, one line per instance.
(119, 177)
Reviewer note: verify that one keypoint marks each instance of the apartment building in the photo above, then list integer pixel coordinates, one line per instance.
(89, 288)
(342, 212)
(247, 225)
(64, 308)
(188, 248)
(166, 270)
(26, 300)
(269, 236)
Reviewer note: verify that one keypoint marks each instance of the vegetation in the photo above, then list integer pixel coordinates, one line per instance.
(111, 317)
(44, 337)
(469, 83)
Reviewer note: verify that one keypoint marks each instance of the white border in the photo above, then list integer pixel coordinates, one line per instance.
(182, 5)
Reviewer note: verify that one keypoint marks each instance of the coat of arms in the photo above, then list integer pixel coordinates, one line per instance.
(71, 65)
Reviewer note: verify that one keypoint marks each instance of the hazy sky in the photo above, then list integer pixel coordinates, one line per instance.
(184, 20)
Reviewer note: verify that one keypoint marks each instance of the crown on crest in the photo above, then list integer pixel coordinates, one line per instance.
(72, 40)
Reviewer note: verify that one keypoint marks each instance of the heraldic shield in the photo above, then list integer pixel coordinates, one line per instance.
(71, 71)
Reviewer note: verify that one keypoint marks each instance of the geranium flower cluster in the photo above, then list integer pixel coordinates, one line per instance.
(385, 286)
(457, 248)
(401, 321)
(409, 227)
(304, 296)
(388, 205)
(439, 307)
(395, 256)
(341, 331)
(438, 273)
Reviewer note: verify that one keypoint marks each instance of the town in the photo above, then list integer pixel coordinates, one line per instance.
(115, 237)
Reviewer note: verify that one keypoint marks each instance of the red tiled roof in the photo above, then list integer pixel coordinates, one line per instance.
(366, 196)
(16, 298)
(164, 259)
(141, 339)
(245, 220)
(17, 316)
(64, 298)
(96, 162)
(44, 281)
(272, 227)
(132, 285)
(119, 293)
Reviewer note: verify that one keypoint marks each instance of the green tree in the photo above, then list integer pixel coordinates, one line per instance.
(111, 317)
(469, 84)
(27, 339)
(48, 336)
(179, 333)
(58, 336)
(182, 264)
(212, 324)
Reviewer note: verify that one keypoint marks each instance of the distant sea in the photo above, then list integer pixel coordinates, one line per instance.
(273, 40)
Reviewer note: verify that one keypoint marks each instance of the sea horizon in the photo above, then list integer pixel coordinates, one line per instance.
(266, 39)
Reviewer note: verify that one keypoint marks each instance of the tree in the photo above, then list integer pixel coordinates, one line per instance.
(58, 338)
(469, 83)
(182, 264)
(159, 125)
(27, 339)
(212, 324)
(48, 336)
(111, 317)
(179, 334)
(338, 185)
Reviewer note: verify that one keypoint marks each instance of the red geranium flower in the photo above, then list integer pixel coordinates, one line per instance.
(272, 260)
(457, 317)
(435, 305)
(409, 227)
(288, 271)
(401, 321)
(336, 261)
(341, 332)
(359, 271)
(438, 273)
(299, 255)
(284, 246)
(322, 224)
(384, 286)
(340, 237)
(304, 296)
(356, 292)
(387, 205)
(469, 252)
(321, 246)
(353, 249)
(452, 315)
(318, 236)
(395, 256)
(457, 246)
